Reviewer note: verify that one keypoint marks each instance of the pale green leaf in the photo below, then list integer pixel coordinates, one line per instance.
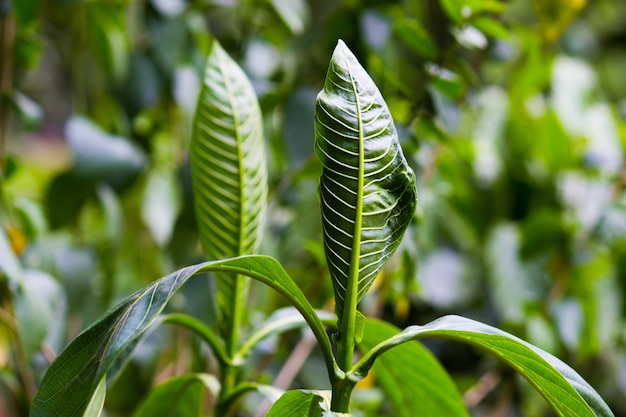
(567, 393)
(367, 189)
(40, 309)
(161, 204)
(413, 380)
(94, 408)
(73, 377)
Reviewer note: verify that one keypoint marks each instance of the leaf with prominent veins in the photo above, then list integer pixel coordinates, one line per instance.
(367, 189)
(229, 174)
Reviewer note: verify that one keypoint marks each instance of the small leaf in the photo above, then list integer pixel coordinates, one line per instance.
(294, 13)
(73, 377)
(413, 381)
(567, 393)
(40, 310)
(491, 27)
(367, 189)
(94, 408)
(296, 404)
(416, 37)
(9, 264)
(99, 155)
(161, 205)
(181, 396)
(280, 321)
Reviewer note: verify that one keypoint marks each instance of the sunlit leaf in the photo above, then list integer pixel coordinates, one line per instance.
(74, 376)
(554, 16)
(567, 393)
(161, 204)
(367, 189)
(96, 403)
(229, 172)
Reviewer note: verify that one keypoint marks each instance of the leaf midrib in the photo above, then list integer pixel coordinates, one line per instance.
(233, 334)
(349, 310)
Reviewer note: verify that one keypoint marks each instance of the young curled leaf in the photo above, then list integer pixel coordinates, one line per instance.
(367, 188)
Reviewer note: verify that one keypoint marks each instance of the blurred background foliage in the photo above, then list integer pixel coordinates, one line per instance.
(512, 114)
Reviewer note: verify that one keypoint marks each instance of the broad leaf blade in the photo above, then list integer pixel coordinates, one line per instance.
(412, 378)
(73, 377)
(228, 167)
(181, 396)
(367, 189)
(567, 393)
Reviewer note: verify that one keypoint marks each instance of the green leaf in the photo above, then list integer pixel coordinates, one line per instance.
(491, 27)
(567, 393)
(367, 189)
(161, 204)
(94, 408)
(40, 309)
(416, 37)
(73, 377)
(413, 380)
(99, 155)
(280, 321)
(297, 403)
(201, 330)
(181, 396)
(229, 173)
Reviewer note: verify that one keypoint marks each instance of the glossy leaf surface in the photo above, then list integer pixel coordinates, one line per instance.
(413, 380)
(73, 377)
(567, 393)
(228, 170)
(367, 189)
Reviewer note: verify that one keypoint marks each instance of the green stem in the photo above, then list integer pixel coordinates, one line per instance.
(347, 331)
(342, 391)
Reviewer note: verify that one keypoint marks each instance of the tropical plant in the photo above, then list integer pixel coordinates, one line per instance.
(367, 197)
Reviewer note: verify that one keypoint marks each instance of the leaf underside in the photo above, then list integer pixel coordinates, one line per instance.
(367, 189)
(229, 172)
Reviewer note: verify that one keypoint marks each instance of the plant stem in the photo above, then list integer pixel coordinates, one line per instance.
(342, 388)
(342, 391)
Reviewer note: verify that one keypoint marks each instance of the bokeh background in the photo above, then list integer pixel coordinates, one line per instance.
(512, 114)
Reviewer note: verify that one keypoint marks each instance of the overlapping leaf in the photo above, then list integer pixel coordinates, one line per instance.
(413, 380)
(73, 377)
(228, 169)
(560, 385)
(367, 188)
